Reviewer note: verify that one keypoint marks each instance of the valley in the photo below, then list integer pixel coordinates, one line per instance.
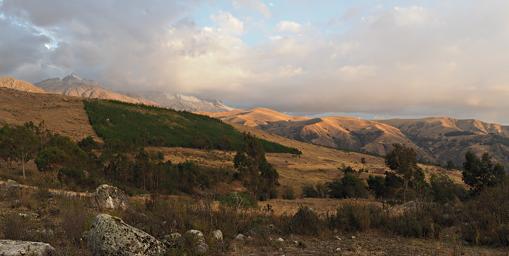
(190, 170)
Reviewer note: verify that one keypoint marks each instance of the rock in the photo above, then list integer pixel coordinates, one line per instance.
(281, 240)
(110, 197)
(353, 237)
(299, 244)
(240, 237)
(110, 236)
(173, 240)
(217, 235)
(197, 240)
(19, 248)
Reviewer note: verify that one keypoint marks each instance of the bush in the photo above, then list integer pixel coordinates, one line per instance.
(318, 191)
(376, 185)
(88, 144)
(350, 217)
(239, 200)
(350, 186)
(305, 222)
(61, 152)
(74, 220)
(444, 190)
(288, 193)
(14, 227)
(419, 222)
(413, 225)
(486, 217)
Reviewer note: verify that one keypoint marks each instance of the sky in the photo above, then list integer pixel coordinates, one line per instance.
(375, 59)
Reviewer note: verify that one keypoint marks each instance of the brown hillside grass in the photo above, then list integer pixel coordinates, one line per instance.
(60, 114)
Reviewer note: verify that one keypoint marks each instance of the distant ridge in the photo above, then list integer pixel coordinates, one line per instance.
(436, 139)
(73, 85)
(186, 102)
(20, 85)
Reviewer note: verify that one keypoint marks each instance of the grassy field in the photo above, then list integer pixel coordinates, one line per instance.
(129, 124)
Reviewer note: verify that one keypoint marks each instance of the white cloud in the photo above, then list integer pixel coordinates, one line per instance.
(411, 16)
(448, 57)
(289, 26)
(228, 23)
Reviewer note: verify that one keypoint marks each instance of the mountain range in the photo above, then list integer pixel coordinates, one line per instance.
(435, 139)
(73, 85)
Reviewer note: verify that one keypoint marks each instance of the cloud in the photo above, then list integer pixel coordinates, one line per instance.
(440, 58)
(289, 26)
(411, 16)
(228, 23)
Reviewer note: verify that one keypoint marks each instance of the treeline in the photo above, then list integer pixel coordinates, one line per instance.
(406, 180)
(86, 164)
(480, 210)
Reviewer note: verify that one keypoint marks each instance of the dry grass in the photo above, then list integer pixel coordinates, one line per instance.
(320, 205)
(61, 114)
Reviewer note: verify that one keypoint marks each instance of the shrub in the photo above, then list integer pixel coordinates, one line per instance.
(14, 227)
(61, 152)
(238, 200)
(351, 217)
(376, 185)
(444, 190)
(288, 193)
(74, 220)
(305, 222)
(347, 187)
(480, 173)
(318, 191)
(419, 222)
(486, 217)
(88, 144)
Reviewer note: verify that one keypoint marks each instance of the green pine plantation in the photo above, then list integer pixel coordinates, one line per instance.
(125, 124)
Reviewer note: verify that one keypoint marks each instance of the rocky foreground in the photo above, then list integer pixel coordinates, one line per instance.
(109, 235)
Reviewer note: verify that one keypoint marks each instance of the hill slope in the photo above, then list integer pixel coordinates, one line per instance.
(449, 138)
(254, 117)
(140, 125)
(185, 102)
(20, 85)
(73, 85)
(435, 139)
(61, 114)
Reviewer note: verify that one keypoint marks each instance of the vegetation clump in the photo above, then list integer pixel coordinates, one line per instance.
(253, 169)
(349, 186)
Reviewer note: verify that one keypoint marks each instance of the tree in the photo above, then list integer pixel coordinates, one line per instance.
(350, 185)
(444, 190)
(480, 173)
(19, 143)
(254, 170)
(403, 161)
(377, 185)
(63, 155)
(450, 165)
(88, 144)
